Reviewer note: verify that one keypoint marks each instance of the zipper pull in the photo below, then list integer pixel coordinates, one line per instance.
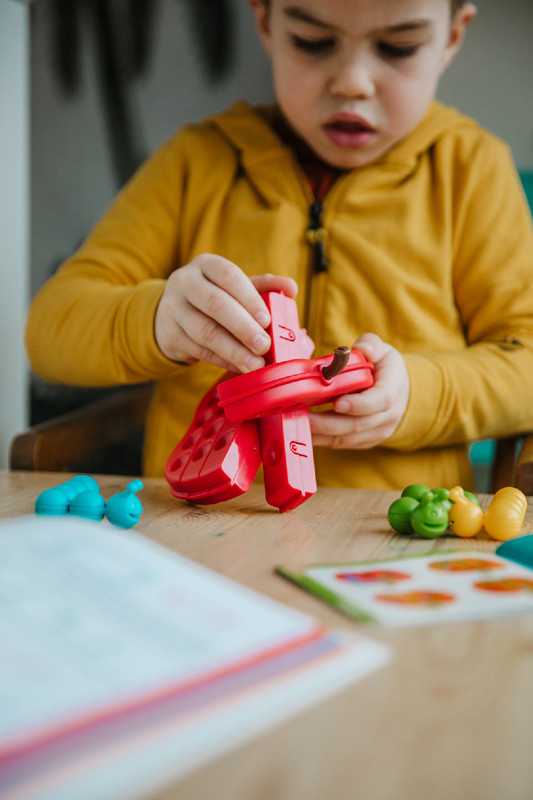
(315, 235)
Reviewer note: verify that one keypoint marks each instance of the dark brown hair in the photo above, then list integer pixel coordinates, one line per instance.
(455, 4)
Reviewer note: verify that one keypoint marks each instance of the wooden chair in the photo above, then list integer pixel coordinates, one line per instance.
(513, 464)
(70, 439)
(62, 443)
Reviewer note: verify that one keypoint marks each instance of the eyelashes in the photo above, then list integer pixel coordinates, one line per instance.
(325, 46)
(397, 50)
(313, 46)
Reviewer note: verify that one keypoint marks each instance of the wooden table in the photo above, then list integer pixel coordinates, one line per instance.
(450, 718)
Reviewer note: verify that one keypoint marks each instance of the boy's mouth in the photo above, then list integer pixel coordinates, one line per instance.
(347, 130)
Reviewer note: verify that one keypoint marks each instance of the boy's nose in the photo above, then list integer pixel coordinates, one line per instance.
(353, 78)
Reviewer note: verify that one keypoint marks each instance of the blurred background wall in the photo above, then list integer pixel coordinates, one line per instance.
(14, 216)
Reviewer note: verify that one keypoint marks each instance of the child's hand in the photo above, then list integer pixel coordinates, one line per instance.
(211, 311)
(364, 420)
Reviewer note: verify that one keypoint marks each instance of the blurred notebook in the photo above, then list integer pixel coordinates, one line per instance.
(114, 646)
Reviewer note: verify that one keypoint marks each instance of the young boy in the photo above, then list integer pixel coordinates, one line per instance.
(400, 222)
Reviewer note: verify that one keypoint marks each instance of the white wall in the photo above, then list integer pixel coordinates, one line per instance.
(72, 176)
(492, 77)
(14, 217)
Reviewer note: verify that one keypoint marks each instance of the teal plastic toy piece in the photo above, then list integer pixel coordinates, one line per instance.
(52, 502)
(57, 500)
(88, 504)
(124, 509)
(80, 496)
(89, 483)
(519, 550)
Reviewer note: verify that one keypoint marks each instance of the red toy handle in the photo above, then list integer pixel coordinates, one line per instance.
(292, 384)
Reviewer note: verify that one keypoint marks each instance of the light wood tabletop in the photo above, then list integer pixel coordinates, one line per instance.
(450, 717)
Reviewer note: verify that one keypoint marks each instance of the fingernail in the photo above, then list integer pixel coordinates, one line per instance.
(263, 319)
(342, 406)
(261, 343)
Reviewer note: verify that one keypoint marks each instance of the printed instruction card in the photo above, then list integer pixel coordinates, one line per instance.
(422, 589)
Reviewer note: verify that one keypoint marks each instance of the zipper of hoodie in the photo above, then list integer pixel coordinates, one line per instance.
(316, 235)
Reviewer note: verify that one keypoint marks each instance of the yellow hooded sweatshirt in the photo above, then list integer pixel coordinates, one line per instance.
(431, 248)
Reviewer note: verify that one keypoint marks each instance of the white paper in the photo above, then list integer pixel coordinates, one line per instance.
(94, 618)
(415, 591)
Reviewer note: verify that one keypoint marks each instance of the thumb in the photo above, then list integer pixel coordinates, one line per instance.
(371, 346)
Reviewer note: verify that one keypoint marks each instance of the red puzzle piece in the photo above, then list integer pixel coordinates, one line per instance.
(292, 384)
(286, 445)
(216, 459)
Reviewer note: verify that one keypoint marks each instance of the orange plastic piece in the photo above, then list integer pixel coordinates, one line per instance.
(505, 515)
(466, 517)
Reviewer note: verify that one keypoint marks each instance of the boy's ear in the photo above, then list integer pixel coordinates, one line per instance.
(460, 22)
(262, 21)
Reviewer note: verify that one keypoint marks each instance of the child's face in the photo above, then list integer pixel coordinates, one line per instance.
(353, 77)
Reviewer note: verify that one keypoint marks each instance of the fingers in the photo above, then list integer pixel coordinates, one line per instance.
(227, 317)
(371, 346)
(190, 351)
(379, 398)
(207, 340)
(342, 432)
(221, 291)
(212, 311)
(275, 283)
(366, 419)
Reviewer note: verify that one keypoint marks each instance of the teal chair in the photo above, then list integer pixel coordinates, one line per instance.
(527, 183)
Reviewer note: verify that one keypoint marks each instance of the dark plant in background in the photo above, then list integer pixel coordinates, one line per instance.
(122, 34)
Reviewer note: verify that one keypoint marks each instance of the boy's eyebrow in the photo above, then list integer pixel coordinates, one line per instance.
(297, 13)
(412, 25)
(301, 15)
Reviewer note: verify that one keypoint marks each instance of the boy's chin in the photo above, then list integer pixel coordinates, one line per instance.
(348, 160)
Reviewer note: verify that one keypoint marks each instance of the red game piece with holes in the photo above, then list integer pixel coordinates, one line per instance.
(216, 459)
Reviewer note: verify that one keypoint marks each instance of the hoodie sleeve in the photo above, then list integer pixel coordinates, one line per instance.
(92, 323)
(486, 389)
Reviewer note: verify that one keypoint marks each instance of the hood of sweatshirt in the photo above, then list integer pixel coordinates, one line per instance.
(248, 131)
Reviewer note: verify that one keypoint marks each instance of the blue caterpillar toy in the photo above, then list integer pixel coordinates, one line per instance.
(80, 496)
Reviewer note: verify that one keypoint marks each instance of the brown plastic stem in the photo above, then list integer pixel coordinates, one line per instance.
(338, 362)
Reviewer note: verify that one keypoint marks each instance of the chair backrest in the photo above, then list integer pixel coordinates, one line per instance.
(65, 442)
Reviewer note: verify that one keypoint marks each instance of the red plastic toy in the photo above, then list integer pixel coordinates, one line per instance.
(216, 459)
(286, 445)
(292, 384)
(263, 415)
